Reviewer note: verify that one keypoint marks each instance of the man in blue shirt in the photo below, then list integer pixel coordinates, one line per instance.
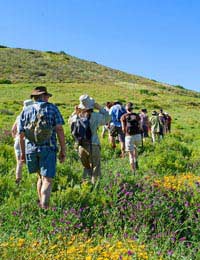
(41, 158)
(116, 111)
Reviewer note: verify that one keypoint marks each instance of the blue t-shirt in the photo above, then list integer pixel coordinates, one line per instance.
(54, 118)
(116, 112)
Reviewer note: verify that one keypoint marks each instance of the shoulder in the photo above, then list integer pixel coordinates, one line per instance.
(124, 116)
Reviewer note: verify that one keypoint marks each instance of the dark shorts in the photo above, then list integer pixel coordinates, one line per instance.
(145, 131)
(43, 162)
(117, 131)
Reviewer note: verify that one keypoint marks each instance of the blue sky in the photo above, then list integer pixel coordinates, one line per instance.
(152, 38)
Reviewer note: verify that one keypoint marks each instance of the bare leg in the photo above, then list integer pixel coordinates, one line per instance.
(45, 191)
(153, 137)
(122, 149)
(131, 160)
(18, 170)
(112, 141)
(39, 186)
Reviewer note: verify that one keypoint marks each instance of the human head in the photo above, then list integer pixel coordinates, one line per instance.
(40, 91)
(117, 103)
(129, 106)
(109, 104)
(86, 102)
(27, 102)
(144, 110)
(154, 113)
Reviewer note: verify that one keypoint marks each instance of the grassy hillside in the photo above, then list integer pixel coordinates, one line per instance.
(24, 65)
(151, 215)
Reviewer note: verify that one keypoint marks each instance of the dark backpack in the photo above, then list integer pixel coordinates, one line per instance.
(39, 131)
(133, 124)
(81, 131)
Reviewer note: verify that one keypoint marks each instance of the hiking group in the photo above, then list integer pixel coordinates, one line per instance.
(40, 124)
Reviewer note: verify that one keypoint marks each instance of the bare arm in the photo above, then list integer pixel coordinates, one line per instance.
(14, 129)
(22, 146)
(123, 124)
(61, 139)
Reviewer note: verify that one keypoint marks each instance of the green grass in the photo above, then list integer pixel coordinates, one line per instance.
(122, 205)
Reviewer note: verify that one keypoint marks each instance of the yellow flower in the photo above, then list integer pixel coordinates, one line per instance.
(53, 247)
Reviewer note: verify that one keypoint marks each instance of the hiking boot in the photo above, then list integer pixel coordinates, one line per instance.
(17, 181)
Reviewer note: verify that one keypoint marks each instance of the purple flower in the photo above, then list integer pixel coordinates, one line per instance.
(186, 204)
(130, 252)
(170, 252)
(14, 213)
(182, 239)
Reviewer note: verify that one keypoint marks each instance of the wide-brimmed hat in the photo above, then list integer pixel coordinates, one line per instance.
(28, 102)
(39, 91)
(86, 102)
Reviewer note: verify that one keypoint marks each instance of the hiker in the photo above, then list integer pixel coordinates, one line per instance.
(163, 119)
(116, 111)
(168, 122)
(106, 128)
(144, 123)
(156, 127)
(39, 125)
(84, 125)
(15, 135)
(131, 126)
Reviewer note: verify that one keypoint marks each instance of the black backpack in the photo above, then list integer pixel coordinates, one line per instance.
(133, 124)
(81, 131)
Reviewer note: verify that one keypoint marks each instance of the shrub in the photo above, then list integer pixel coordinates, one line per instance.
(5, 81)
(179, 86)
(39, 73)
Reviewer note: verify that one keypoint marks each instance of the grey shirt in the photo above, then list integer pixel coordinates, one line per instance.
(96, 119)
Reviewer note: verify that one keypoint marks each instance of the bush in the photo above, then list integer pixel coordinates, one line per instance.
(5, 81)
(179, 86)
(39, 73)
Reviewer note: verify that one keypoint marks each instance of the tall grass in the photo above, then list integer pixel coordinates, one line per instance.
(156, 210)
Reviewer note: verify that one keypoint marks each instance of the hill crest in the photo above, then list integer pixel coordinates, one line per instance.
(30, 66)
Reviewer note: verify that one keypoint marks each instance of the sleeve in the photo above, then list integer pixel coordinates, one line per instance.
(21, 122)
(103, 117)
(58, 117)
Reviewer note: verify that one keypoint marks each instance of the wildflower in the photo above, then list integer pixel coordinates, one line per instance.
(130, 252)
(182, 239)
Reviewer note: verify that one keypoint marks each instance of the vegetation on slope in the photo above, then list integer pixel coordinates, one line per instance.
(24, 65)
(151, 215)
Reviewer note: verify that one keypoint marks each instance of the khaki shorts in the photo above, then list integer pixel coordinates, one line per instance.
(132, 141)
(91, 159)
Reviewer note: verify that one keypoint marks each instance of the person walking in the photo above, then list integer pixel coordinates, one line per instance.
(39, 152)
(144, 123)
(156, 127)
(131, 126)
(15, 135)
(116, 111)
(168, 122)
(106, 128)
(88, 143)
